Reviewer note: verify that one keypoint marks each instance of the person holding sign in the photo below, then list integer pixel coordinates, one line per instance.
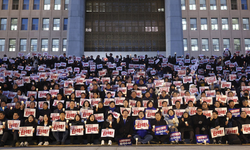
(229, 123)
(46, 123)
(124, 126)
(159, 122)
(14, 131)
(44, 111)
(109, 123)
(172, 121)
(77, 122)
(111, 109)
(216, 122)
(186, 125)
(91, 137)
(142, 135)
(3, 124)
(200, 122)
(243, 120)
(61, 136)
(31, 121)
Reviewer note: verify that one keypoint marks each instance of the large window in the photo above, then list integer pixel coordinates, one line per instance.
(203, 5)
(64, 45)
(192, 4)
(46, 5)
(46, 24)
(185, 45)
(223, 4)
(247, 44)
(35, 22)
(44, 46)
(183, 4)
(23, 45)
(235, 24)
(24, 25)
(3, 23)
(66, 4)
(12, 45)
(142, 30)
(26, 4)
(184, 24)
(194, 45)
(224, 22)
(214, 24)
(36, 5)
(226, 43)
(203, 23)
(216, 45)
(234, 4)
(244, 4)
(5, 5)
(2, 44)
(237, 44)
(213, 5)
(55, 45)
(245, 23)
(33, 45)
(193, 24)
(204, 45)
(57, 5)
(56, 24)
(15, 4)
(13, 25)
(65, 24)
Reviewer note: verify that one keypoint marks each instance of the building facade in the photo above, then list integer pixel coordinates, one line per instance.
(97, 27)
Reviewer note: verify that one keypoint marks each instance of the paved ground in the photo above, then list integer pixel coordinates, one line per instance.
(146, 147)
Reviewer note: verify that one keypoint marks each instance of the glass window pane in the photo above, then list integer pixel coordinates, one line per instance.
(183, 4)
(24, 25)
(55, 45)
(46, 24)
(223, 4)
(244, 4)
(237, 45)
(235, 23)
(64, 45)
(245, 23)
(15, 4)
(5, 4)
(35, 22)
(213, 5)
(2, 44)
(192, 4)
(184, 24)
(216, 45)
(3, 22)
(224, 22)
(194, 45)
(45, 44)
(66, 4)
(26, 4)
(46, 5)
(12, 45)
(65, 24)
(185, 45)
(57, 5)
(203, 5)
(23, 45)
(193, 24)
(247, 44)
(226, 44)
(33, 45)
(36, 5)
(56, 24)
(13, 24)
(214, 24)
(204, 45)
(234, 4)
(203, 23)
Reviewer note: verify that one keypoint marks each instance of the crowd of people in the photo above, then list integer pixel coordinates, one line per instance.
(49, 99)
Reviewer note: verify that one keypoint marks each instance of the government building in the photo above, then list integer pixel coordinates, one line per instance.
(97, 27)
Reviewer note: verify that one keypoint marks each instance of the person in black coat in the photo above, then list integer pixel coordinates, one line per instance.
(99, 109)
(4, 136)
(44, 140)
(245, 138)
(17, 109)
(77, 122)
(216, 122)
(200, 123)
(31, 121)
(109, 123)
(92, 137)
(124, 126)
(159, 121)
(230, 123)
(44, 111)
(186, 125)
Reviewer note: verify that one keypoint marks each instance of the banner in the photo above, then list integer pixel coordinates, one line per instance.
(85, 113)
(108, 133)
(217, 133)
(42, 131)
(128, 109)
(221, 111)
(29, 111)
(119, 101)
(175, 136)
(150, 114)
(235, 112)
(161, 130)
(55, 116)
(91, 128)
(160, 101)
(209, 100)
(107, 101)
(99, 117)
(246, 128)
(25, 131)
(76, 130)
(207, 113)
(202, 138)
(192, 110)
(13, 124)
(136, 110)
(124, 142)
(179, 112)
(141, 124)
(221, 98)
(247, 110)
(58, 126)
(233, 130)
(69, 114)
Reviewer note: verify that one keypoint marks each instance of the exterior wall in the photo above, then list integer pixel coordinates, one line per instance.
(30, 34)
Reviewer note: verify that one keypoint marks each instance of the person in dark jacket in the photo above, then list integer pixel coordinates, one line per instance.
(124, 126)
(91, 137)
(143, 136)
(186, 125)
(200, 122)
(31, 121)
(216, 122)
(3, 122)
(109, 123)
(159, 121)
(77, 122)
(243, 120)
(62, 136)
(44, 111)
(230, 123)
(44, 140)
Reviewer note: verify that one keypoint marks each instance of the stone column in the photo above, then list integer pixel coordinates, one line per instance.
(76, 28)
(173, 29)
